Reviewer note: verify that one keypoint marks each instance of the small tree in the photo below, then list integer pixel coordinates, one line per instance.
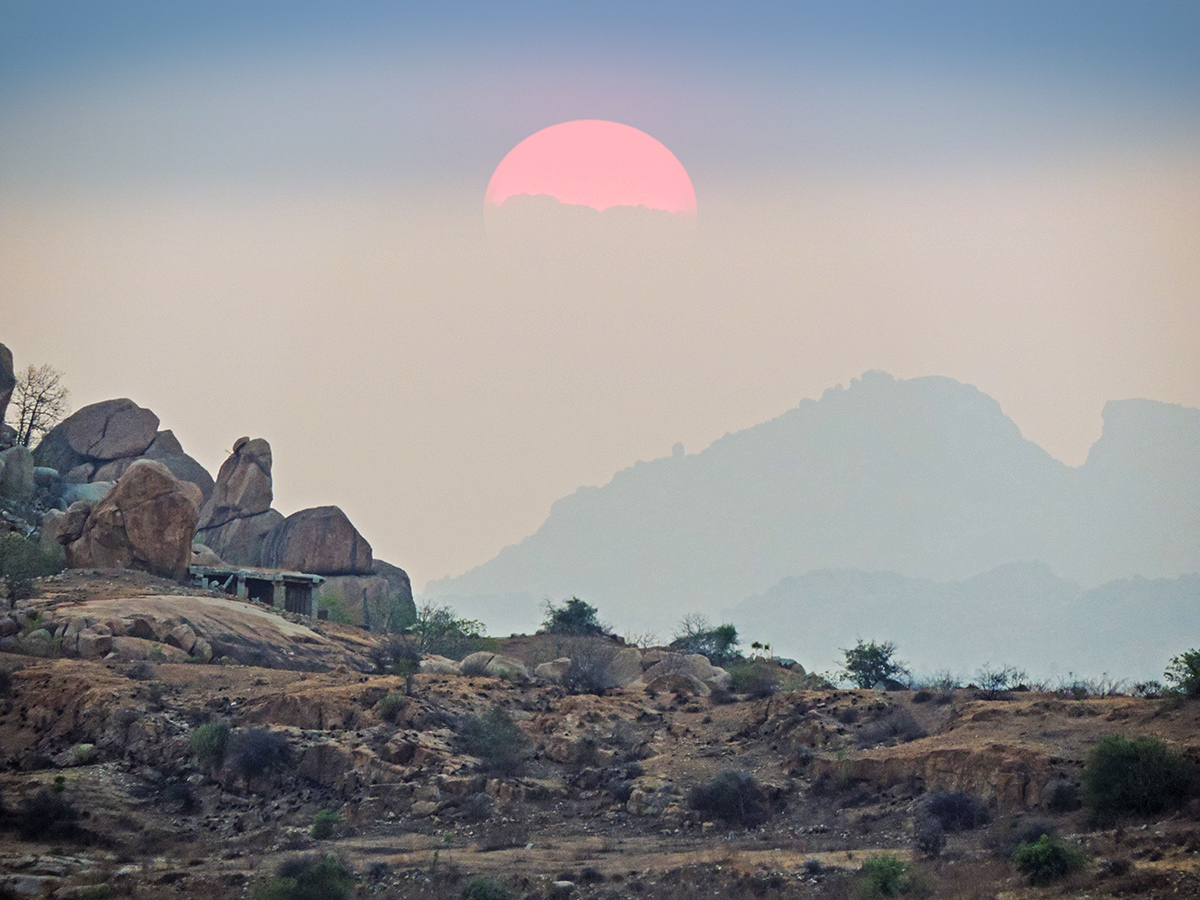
(1183, 675)
(869, 663)
(438, 629)
(696, 635)
(573, 617)
(39, 401)
(1142, 775)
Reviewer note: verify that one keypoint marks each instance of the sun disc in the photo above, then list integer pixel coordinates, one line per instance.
(594, 163)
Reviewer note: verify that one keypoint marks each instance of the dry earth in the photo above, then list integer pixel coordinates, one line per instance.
(602, 802)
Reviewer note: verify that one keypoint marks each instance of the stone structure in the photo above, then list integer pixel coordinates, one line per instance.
(284, 591)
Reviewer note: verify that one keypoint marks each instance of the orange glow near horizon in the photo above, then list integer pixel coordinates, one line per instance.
(590, 162)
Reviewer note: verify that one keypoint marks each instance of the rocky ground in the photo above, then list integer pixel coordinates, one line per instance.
(601, 802)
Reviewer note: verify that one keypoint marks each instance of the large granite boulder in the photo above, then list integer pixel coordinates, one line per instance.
(243, 487)
(362, 599)
(319, 540)
(102, 431)
(237, 515)
(8, 380)
(16, 474)
(403, 610)
(146, 522)
(167, 450)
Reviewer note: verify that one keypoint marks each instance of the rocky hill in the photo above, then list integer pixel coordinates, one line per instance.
(923, 477)
(112, 785)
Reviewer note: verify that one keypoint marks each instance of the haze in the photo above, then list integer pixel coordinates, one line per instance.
(267, 223)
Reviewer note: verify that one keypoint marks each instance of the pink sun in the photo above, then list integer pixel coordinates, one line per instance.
(590, 162)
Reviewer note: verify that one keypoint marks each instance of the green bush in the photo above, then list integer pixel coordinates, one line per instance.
(758, 679)
(324, 823)
(391, 706)
(209, 743)
(889, 876)
(495, 738)
(480, 888)
(1133, 776)
(1048, 859)
(438, 629)
(733, 796)
(308, 878)
(1183, 675)
(869, 663)
(573, 617)
(21, 561)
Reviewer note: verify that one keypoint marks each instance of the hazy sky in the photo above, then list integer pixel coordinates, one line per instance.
(267, 219)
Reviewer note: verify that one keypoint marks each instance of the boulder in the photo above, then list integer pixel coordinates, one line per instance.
(8, 379)
(625, 668)
(146, 522)
(693, 665)
(554, 670)
(102, 431)
(683, 685)
(476, 663)
(403, 609)
(94, 642)
(507, 668)
(204, 556)
(240, 541)
(70, 529)
(363, 598)
(16, 474)
(181, 465)
(319, 540)
(52, 526)
(88, 493)
(439, 665)
(243, 487)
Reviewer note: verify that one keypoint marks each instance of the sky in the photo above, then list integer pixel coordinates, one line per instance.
(267, 220)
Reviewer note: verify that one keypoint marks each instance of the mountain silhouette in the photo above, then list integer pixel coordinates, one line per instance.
(924, 477)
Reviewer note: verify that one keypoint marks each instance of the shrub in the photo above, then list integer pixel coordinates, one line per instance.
(1133, 776)
(929, 837)
(480, 888)
(888, 876)
(47, 814)
(756, 679)
(1048, 859)
(955, 810)
(324, 823)
(390, 707)
(494, 737)
(21, 561)
(1183, 675)
(995, 683)
(1062, 796)
(1018, 832)
(209, 743)
(895, 725)
(573, 617)
(256, 751)
(733, 796)
(869, 663)
(308, 878)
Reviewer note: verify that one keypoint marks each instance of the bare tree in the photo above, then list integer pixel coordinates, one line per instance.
(40, 401)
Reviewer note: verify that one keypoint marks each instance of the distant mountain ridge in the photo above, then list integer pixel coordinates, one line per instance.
(1019, 614)
(924, 477)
